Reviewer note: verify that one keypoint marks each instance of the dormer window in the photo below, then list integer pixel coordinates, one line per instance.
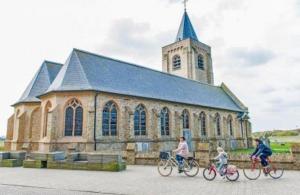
(176, 62)
(200, 62)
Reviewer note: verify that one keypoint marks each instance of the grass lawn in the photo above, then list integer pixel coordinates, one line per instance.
(276, 148)
(1, 145)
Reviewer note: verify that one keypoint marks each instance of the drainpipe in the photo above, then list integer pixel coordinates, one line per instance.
(95, 120)
(247, 134)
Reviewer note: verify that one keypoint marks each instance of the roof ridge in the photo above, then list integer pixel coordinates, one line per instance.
(55, 63)
(140, 66)
(82, 69)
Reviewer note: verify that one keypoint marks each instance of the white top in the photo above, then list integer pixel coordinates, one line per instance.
(222, 157)
(183, 149)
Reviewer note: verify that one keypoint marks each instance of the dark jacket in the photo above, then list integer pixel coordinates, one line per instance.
(262, 149)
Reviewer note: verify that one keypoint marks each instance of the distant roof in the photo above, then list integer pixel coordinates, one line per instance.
(40, 82)
(88, 71)
(186, 29)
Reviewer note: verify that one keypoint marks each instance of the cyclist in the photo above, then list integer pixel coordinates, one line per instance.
(181, 152)
(263, 152)
(222, 161)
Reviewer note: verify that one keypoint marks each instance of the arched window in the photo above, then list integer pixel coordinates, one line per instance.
(176, 62)
(73, 118)
(229, 123)
(185, 119)
(109, 119)
(140, 120)
(164, 122)
(203, 124)
(200, 62)
(218, 124)
(46, 115)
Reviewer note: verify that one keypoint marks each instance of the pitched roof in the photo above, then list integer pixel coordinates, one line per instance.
(40, 82)
(186, 29)
(87, 71)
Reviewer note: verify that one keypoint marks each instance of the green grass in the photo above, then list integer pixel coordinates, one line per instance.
(276, 148)
(1, 145)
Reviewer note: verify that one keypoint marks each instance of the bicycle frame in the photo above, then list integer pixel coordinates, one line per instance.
(255, 163)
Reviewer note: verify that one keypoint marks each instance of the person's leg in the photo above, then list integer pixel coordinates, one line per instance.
(263, 159)
(179, 160)
(220, 167)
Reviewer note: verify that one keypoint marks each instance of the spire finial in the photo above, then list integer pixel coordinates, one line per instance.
(184, 2)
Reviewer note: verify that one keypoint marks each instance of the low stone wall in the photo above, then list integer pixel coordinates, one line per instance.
(288, 161)
(76, 161)
(12, 159)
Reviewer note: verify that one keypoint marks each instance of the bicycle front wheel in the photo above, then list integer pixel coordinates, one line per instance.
(164, 168)
(209, 174)
(252, 173)
(276, 172)
(191, 168)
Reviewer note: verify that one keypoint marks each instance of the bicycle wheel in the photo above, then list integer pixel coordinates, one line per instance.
(276, 172)
(191, 168)
(164, 168)
(209, 174)
(233, 176)
(252, 173)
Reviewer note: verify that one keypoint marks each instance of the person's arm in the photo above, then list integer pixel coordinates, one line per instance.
(217, 157)
(259, 150)
(253, 154)
(179, 148)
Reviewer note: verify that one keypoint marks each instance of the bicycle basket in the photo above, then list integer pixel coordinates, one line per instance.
(164, 155)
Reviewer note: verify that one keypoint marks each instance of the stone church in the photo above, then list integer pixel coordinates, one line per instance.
(96, 103)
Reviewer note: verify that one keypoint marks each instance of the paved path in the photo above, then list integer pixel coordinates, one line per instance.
(137, 180)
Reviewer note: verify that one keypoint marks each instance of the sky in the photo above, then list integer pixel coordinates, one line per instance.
(255, 45)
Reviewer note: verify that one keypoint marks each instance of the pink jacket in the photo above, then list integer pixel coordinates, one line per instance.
(183, 149)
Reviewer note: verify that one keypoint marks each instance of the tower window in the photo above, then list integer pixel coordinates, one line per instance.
(200, 62)
(176, 62)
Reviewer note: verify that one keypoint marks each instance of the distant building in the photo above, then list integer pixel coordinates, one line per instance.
(93, 102)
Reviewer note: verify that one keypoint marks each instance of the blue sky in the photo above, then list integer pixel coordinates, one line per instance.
(255, 45)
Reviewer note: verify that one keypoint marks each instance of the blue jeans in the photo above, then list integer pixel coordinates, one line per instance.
(263, 158)
(179, 160)
(221, 167)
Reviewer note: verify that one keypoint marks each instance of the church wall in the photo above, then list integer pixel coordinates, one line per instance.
(56, 121)
(126, 106)
(21, 127)
(9, 132)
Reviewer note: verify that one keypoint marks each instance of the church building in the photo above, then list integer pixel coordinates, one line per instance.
(96, 103)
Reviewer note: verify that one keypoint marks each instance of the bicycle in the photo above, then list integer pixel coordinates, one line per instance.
(167, 162)
(255, 170)
(230, 172)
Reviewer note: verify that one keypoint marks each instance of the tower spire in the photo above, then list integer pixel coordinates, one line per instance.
(186, 29)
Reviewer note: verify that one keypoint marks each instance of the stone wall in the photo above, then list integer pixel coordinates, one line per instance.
(203, 154)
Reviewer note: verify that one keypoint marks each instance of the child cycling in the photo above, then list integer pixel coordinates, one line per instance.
(263, 152)
(222, 161)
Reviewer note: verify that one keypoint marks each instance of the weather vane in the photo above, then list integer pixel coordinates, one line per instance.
(184, 2)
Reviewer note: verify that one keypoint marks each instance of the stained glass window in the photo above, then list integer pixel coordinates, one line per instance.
(140, 120)
(185, 119)
(203, 124)
(164, 121)
(73, 118)
(109, 119)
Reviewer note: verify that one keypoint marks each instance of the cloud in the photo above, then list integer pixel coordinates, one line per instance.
(267, 90)
(175, 1)
(134, 40)
(250, 56)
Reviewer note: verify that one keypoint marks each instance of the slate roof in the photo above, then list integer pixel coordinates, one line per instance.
(40, 82)
(88, 71)
(186, 29)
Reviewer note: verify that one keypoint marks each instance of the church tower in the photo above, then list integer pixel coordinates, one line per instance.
(187, 56)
